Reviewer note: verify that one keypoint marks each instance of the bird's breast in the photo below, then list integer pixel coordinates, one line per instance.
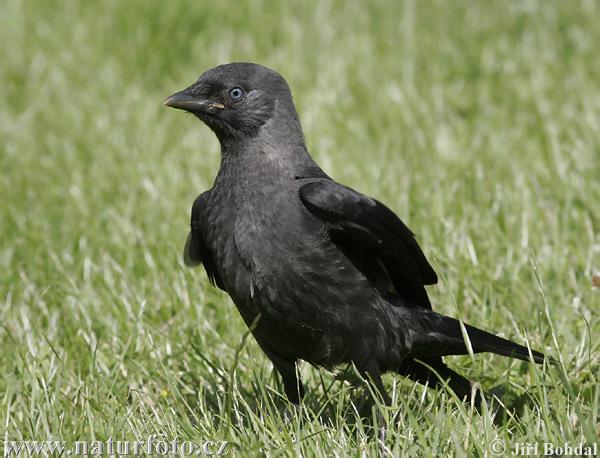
(305, 289)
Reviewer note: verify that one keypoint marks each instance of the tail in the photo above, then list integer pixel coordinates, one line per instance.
(485, 341)
(439, 335)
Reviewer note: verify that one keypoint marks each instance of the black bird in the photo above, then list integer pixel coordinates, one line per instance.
(319, 271)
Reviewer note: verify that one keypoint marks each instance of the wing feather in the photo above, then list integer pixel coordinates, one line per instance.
(361, 224)
(195, 251)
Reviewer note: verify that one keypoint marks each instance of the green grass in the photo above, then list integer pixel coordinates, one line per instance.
(478, 122)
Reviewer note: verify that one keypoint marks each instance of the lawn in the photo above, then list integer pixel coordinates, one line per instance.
(477, 122)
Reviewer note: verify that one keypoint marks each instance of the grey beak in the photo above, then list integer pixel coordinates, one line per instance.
(184, 101)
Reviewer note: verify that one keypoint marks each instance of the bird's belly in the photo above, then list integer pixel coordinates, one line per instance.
(311, 300)
(324, 311)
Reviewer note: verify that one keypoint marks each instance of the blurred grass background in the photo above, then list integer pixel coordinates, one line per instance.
(478, 122)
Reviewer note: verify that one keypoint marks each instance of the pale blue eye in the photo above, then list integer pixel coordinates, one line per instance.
(236, 93)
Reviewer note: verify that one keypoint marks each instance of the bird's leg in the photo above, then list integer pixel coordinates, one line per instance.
(435, 374)
(374, 379)
(292, 385)
(293, 388)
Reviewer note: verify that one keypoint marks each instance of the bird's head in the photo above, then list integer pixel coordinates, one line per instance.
(235, 100)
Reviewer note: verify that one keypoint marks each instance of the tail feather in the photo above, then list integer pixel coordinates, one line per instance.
(484, 341)
(439, 335)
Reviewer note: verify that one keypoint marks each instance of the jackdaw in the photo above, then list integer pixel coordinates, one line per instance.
(320, 272)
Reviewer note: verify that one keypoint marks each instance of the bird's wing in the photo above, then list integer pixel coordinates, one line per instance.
(376, 240)
(195, 251)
